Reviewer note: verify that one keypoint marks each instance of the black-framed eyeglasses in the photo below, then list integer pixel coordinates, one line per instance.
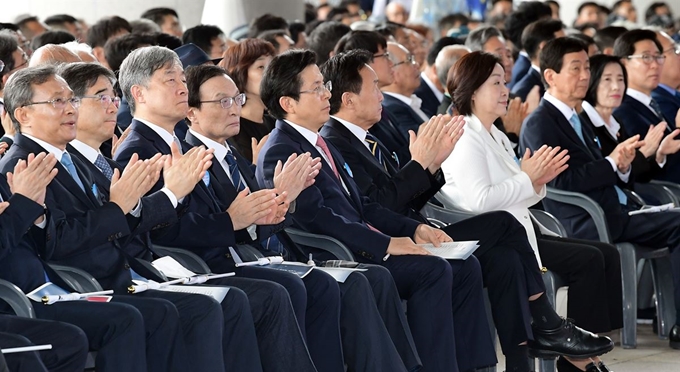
(385, 55)
(648, 58)
(410, 59)
(321, 89)
(105, 100)
(58, 103)
(227, 102)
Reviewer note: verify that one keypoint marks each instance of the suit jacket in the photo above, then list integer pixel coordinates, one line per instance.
(326, 208)
(406, 118)
(525, 84)
(636, 118)
(643, 169)
(202, 224)
(522, 66)
(430, 101)
(669, 103)
(395, 141)
(588, 172)
(404, 190)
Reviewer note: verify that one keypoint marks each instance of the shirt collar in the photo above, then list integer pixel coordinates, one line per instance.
(88, 152)
(168, 137)
(567, 111)
(50, 148)
(523, 53)
(613, 126)
(639, 96)
(308, 134)
(668, 89)
(538, 69)
(358, 131)
(221, 149)
(433, 88)
(413, 102)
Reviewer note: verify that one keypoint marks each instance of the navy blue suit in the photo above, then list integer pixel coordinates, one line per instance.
(405, 118)
(636, 118)
(430, 101)
(395, 141)
(591, 174)
(326, 208)
(522, 66)
(528, 82)
(669, 103)
(203, 225)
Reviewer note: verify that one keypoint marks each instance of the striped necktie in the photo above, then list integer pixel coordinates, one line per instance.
(233, 172)
(374, 146)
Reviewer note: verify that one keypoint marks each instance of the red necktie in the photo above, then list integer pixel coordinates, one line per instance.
(321, 143)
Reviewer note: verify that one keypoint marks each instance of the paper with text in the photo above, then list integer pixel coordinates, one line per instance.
(453, 250)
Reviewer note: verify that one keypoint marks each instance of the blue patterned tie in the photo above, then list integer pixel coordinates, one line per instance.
(375, 148)
(233, 172)
(657, 109)
(67, 162)
(104, 166)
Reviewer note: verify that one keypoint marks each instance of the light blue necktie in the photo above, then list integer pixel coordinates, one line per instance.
(67, 162)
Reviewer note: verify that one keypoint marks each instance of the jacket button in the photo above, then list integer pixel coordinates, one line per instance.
(127, 267)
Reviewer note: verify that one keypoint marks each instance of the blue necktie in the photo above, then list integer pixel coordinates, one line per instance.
(657, 109)
(104, 166)
(233, 172)
(375, 149)
(67, 162)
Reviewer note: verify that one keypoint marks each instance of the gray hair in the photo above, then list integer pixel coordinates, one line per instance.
(446, 58)
(139, 66)
(19, 88)
(480, 36)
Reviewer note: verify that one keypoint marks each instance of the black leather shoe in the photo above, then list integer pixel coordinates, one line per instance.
(674, 337)
(568, 340)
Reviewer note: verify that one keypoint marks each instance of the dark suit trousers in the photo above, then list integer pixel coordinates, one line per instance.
(593, 272)
(69, 345)
(3, 365)
(510, 271)
(657, 230)
(114, 330)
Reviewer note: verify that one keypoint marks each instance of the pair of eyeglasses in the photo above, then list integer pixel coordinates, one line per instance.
(58, 103)
(385, 55)
(411, 59)
(675, 49)
(648, 58)
(227, 102)
(105, 100)
(321, 89)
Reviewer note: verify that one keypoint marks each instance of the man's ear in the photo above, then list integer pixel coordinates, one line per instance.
(349, 99)
(288, 104)
(21, 114)
(191, 115)
(549, 75)
(137, 94)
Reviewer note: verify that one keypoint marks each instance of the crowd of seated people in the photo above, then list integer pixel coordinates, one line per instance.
(125, 141)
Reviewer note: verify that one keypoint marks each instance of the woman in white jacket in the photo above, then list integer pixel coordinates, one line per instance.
(483, 174)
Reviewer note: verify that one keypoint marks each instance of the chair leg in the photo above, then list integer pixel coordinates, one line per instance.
(546, 365)
(663, 287)
(629, 287)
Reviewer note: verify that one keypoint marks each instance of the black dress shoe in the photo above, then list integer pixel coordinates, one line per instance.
(564, 365)
(568, 340)
(603, 368)
(674, 337)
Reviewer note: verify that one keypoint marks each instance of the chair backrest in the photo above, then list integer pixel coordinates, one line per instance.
(589, 205)
(16, 299)
(323, 242)
(186, 258)
(248, 252)
(448, 214)
(147, 265)
(549, 221)
(78, 279)
(664, 192)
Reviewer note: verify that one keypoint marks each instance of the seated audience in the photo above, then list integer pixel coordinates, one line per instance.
(324, 38)
(166, 18)
(66, 22)
(605, 38)
(207, 37)
(666, 94)
(104, 30)
(431, 89)
(446, 59)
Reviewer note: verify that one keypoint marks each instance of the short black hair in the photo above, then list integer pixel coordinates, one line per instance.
(59, 20)
(282, 78)
(157, 14)
(266, 22)
(597, 65)
(438, 46)
(337, 14)
(51, 37)
(9, 26)
(447, 22)
(323, 39)
(552, 56)
(271, 35)
(651, 10)
(585, 38)
(117, 49)
(587, 4)
(365, 40)
(605, 37)
(388, 29)
(295, 29)
(526, 13)
(538, 32)
(553, 2)
(624, 45)
(197, 76)
(202, 36)
(100, 32)
(344, 72)
(171, 42)
(8, 45)
(80, 76)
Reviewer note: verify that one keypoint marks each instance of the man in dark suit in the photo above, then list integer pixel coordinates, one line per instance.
(534, 38)
(294, 91)
(158, 99)
(666, 94)
(501, 238)
(643, 56)
(114, 330)
(555, 123)
(365, 342)
(433, 77)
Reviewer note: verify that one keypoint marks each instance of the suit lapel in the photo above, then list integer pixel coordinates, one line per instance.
(564, 125)
(412, 112)
(356, 143)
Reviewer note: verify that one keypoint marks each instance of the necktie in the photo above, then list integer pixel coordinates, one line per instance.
(178, 143)
(375, 148)
(104, 166)
(233, 172)
(67, 162)
(322, 144)
(657, 109)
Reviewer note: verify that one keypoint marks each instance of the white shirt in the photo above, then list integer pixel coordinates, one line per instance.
(433, 88)
(568, 112)
(538, 69)
(168, 137)
(413, 102)
(356, 130)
